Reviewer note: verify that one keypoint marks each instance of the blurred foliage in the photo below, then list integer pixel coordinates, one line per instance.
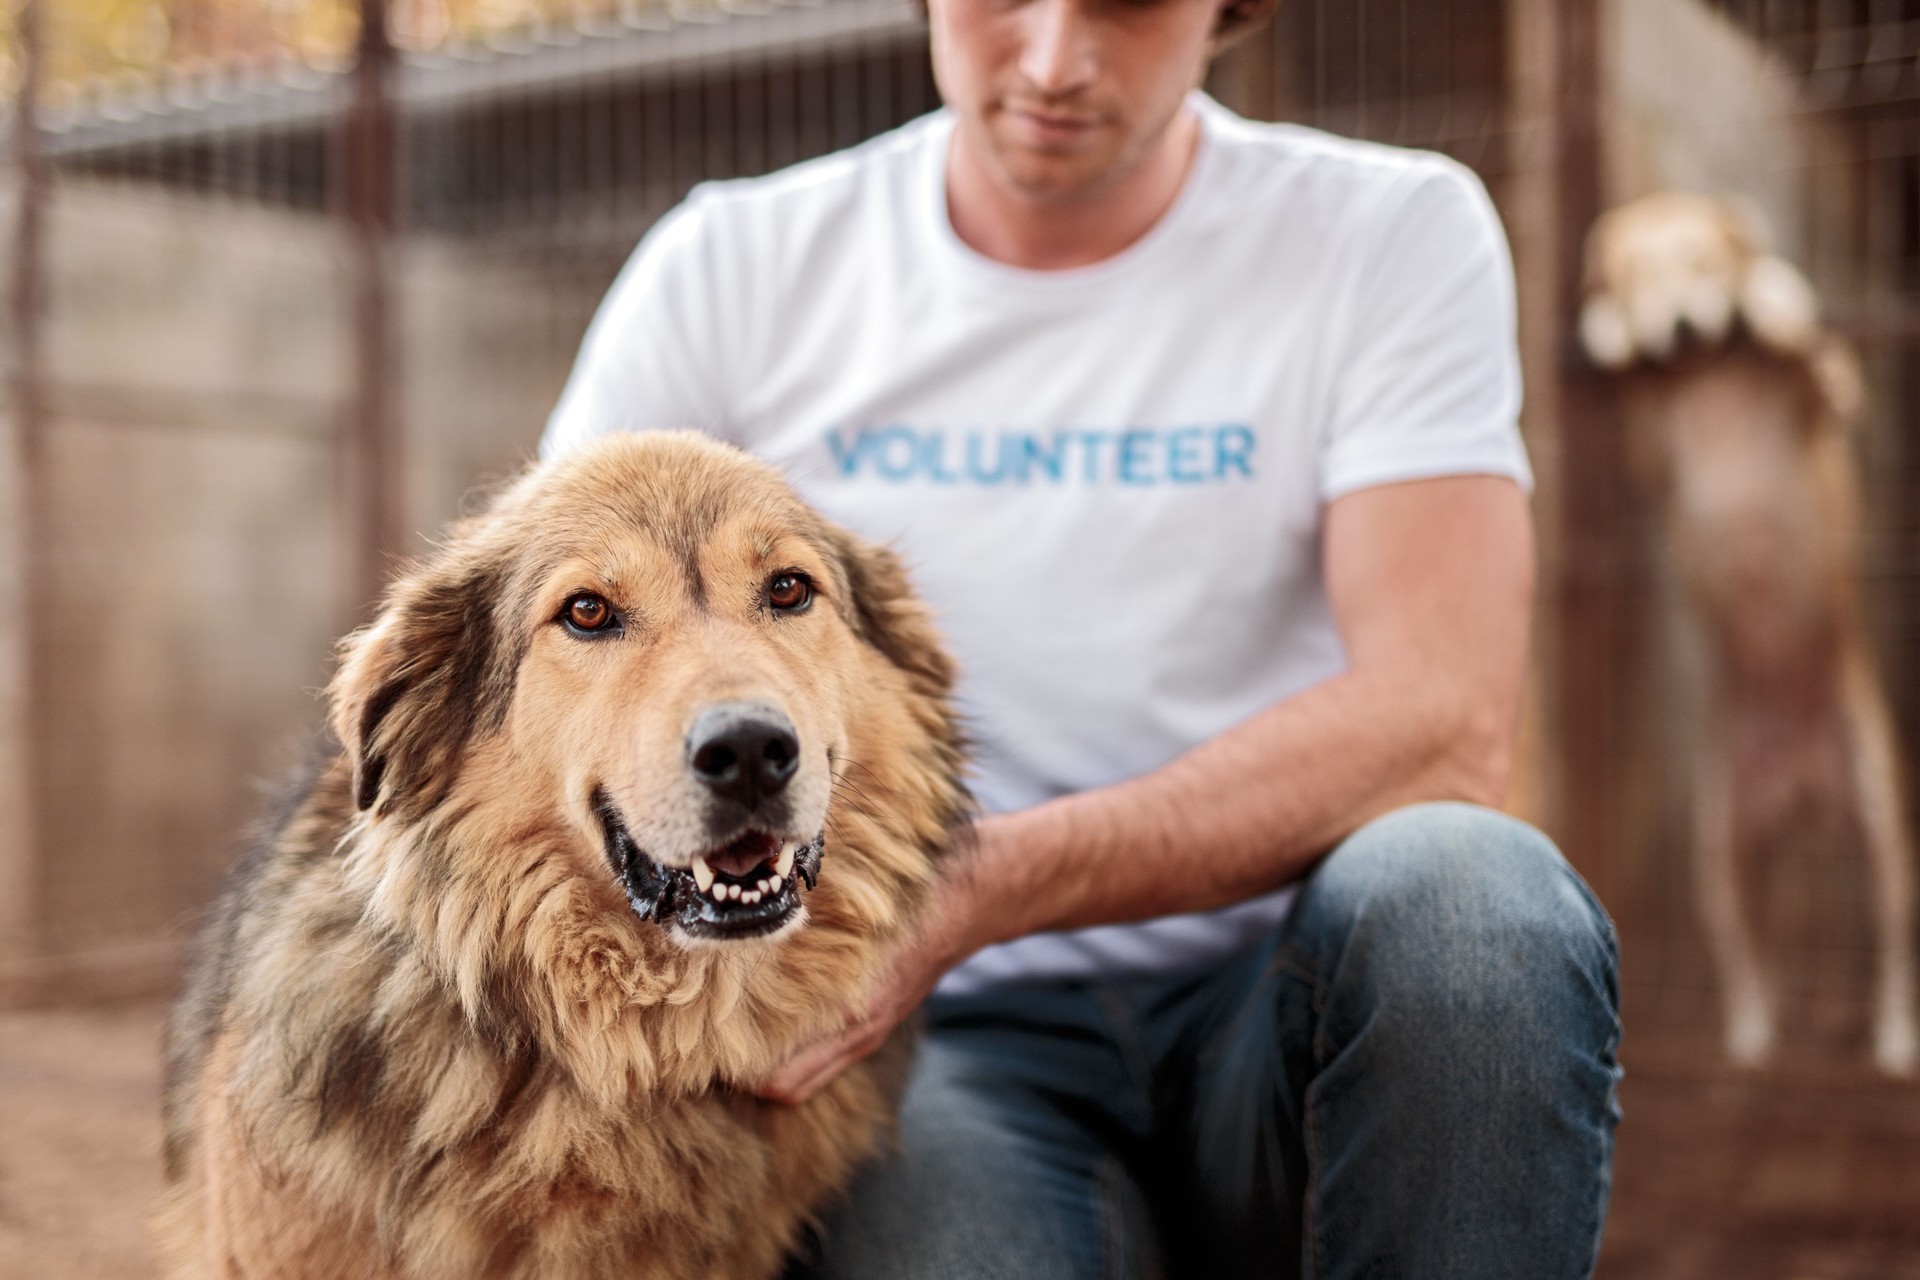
(100, 45)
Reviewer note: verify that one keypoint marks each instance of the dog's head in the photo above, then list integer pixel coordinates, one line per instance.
(653, 664)
(1674, 276)
(1674, 270)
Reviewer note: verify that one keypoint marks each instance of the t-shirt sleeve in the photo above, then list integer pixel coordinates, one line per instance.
(1429, 379)
(651, 358)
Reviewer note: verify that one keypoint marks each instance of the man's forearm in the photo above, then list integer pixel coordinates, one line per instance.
(1431, 584)
(1246, 812)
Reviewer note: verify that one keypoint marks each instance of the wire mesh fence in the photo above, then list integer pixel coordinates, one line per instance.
(270, 348)
(1821, 142)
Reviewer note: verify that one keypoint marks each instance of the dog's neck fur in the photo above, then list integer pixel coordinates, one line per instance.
(437, 1056)
(622, 1009)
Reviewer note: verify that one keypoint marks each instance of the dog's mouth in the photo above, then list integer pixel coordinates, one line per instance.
(746, 888)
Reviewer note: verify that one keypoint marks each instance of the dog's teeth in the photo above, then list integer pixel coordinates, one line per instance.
(733, 891)
(750, 896)
(774, 884)
(783, 865)
(702, 873)
(763, 886)
(719, 893)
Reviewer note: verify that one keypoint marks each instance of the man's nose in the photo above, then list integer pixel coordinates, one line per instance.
(1058, 54)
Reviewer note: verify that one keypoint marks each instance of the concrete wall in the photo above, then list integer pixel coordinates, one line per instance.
(197, 356)
(1692, 104)
(486, 343)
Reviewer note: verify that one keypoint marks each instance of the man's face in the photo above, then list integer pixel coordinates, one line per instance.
(1058, 98)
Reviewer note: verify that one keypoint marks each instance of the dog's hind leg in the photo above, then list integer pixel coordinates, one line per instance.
(1716, 848)
(1874, 765)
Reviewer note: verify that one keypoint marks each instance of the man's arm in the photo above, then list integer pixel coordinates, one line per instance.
(1431, 584)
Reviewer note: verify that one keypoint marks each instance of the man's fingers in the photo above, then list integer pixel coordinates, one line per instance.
(813, 1068)
(850, 1052)
(801, 1076)
(795, 1073)
(799, 1082)
(819, 1080)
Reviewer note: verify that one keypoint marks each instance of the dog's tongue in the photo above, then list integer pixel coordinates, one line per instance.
(744, 854)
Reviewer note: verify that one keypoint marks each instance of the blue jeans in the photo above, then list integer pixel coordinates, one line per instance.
(1414, 1077)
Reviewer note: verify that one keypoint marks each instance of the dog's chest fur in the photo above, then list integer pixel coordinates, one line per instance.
(394, 1135)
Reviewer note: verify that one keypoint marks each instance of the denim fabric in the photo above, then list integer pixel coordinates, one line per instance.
(1414, 1076)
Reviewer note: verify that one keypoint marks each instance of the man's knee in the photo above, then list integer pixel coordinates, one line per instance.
(1452, 920)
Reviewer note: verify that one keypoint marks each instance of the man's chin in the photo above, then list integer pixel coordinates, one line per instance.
(1058, 175)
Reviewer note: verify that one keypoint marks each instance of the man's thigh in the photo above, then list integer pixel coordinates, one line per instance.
(1009, 1164)
(1414, 1077)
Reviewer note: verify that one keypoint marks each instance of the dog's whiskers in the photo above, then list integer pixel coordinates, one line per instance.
(860, 807)
(843, 787)
(872, 779)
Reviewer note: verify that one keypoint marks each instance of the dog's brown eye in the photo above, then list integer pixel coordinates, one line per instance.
(588, 612)
(789, 592)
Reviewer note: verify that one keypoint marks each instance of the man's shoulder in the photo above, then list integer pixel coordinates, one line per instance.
(1286, 165)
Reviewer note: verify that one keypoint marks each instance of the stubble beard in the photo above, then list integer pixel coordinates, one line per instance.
(1066, 177)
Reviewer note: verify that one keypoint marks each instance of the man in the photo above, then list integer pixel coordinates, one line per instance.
(1200, 436)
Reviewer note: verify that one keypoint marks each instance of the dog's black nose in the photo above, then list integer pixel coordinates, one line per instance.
(743, 751)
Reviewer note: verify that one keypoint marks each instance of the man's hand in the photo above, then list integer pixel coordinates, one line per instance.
(942, 941)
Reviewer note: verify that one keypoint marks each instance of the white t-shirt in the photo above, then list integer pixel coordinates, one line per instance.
(1108, 481)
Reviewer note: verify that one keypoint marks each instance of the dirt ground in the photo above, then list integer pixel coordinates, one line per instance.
(79, 1142)
(1797, 1174)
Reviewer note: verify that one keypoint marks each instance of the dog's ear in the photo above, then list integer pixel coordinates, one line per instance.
(1780, 307)
(1745, 224)
(885, 613)
(1605, 334)
(419, 682)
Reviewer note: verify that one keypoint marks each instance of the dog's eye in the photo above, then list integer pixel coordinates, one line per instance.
(588, 612)
(789, 592)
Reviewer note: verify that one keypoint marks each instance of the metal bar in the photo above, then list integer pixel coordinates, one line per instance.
(22, 544)
(1591, 677)
(1528, 202)
(427, 84)
(369, 167)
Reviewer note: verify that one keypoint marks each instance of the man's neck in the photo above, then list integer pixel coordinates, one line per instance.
(1057, 232)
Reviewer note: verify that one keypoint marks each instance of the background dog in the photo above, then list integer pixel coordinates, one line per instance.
(1740, 409)
(640, 775)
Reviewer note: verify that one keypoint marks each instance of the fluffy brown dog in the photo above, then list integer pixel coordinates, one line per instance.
(1740, 404)
(641, 773)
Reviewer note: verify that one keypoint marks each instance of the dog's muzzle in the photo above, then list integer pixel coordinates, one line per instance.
(745, 888)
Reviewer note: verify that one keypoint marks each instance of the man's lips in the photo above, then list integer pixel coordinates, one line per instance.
(1051, 128)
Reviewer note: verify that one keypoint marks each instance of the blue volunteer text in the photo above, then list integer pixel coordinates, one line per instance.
(1068, 456)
